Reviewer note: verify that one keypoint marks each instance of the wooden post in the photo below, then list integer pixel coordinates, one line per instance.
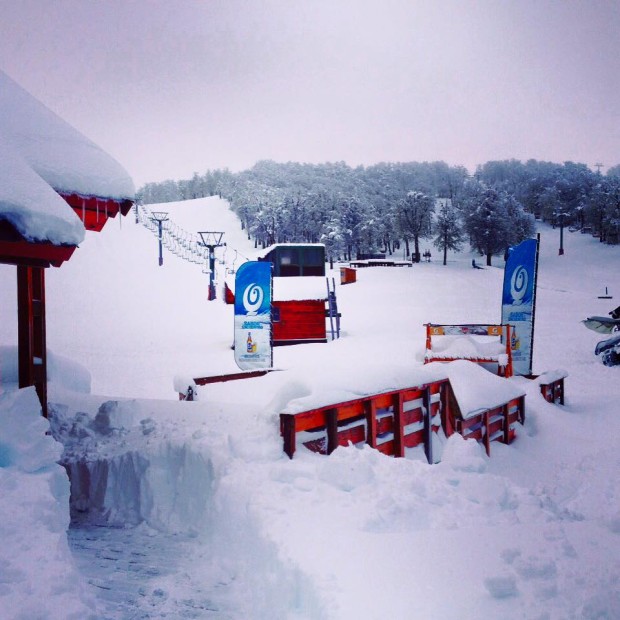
(505, 412)
(399, 444)
(32, 352)
(370, 411)
(487, 439)
(428, 338)
(288, 431)
(508, 371)
(428, 426)
(522, 409)
(331, 423)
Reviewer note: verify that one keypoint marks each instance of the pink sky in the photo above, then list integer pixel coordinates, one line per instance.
(173, 88)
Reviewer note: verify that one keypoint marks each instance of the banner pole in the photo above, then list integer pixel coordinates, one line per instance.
(534, 303)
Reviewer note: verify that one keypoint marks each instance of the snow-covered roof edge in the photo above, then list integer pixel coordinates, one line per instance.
(41, 155)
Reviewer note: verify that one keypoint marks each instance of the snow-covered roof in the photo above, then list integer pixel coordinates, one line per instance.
(297, 288)
(263, 252)
(40, 153)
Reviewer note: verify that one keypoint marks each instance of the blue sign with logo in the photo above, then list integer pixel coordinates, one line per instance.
(518, 302)
(253, 342)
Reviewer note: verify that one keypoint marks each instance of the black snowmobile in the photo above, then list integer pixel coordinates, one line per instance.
(608, 349)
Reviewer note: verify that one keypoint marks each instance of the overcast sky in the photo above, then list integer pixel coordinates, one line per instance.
(174, 87)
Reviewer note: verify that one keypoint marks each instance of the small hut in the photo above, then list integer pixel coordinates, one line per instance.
(300, 294)
(54, 184)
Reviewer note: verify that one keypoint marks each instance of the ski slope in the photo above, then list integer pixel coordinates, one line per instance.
(532, 532)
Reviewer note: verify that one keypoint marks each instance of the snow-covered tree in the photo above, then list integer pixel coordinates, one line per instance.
(447, 229)
(414, 217)
(486, 221)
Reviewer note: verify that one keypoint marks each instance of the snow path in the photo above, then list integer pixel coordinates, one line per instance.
(139, 573)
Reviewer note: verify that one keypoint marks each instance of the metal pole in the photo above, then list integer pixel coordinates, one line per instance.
(212, 270)
(562, 233)
(161, 254)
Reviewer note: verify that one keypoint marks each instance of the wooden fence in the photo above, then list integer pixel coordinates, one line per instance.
(399, 419)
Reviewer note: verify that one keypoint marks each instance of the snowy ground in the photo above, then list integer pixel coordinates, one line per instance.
(229, 528)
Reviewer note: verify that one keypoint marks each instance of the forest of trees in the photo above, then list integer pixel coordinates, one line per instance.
(393, 207)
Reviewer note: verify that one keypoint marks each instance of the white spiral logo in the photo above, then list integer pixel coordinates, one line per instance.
(252, 298)
(518, 283)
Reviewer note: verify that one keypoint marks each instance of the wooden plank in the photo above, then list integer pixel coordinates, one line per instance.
(355, 434)
(387, 447)
(231, 377)
(370, 412)
(399, 446)
(413, 440)
(487, 438)
(31, 334)
(350, 410)
(385, 424)
(413, 416)
(428, 438)
(310, 419)
(288, 432)
(506, 424)
(331, 424)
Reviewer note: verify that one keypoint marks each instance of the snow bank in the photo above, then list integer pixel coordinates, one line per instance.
(38, 578)
(61, 371)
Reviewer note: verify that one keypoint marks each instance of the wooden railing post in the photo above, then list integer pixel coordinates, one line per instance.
(287, 428)
(487, 439)
(428, 426)
(331, 424)
(506, 412)
(370, 411)
(399, 443)
(32, 350)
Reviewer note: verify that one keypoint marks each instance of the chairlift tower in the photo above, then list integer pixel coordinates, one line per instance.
(211, 240)
(561, 215)
(160, 217)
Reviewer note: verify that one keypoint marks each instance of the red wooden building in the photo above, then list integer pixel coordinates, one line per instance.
(300, 295)
(54, 183)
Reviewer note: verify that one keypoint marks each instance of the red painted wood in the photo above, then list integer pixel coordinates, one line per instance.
(354, 434)
(386, 447)
(414, 439)
(385, 424)
(34, 254)
(95, 212)
(300, 320)
(230, 377)
(32, 349)
(370, 411)
(399, 445)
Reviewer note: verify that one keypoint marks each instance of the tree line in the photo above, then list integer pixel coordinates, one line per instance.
(392, 207)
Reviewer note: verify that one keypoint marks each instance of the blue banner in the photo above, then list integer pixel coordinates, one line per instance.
(253, 342)
(518, 302)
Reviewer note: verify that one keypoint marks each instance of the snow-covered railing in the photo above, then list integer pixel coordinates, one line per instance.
(389, 421)
(463, 342)
(495, 424)
(467, 400)
(552, 386)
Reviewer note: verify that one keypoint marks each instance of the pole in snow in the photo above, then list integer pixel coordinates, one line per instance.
(160, 217)
(210, 239)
